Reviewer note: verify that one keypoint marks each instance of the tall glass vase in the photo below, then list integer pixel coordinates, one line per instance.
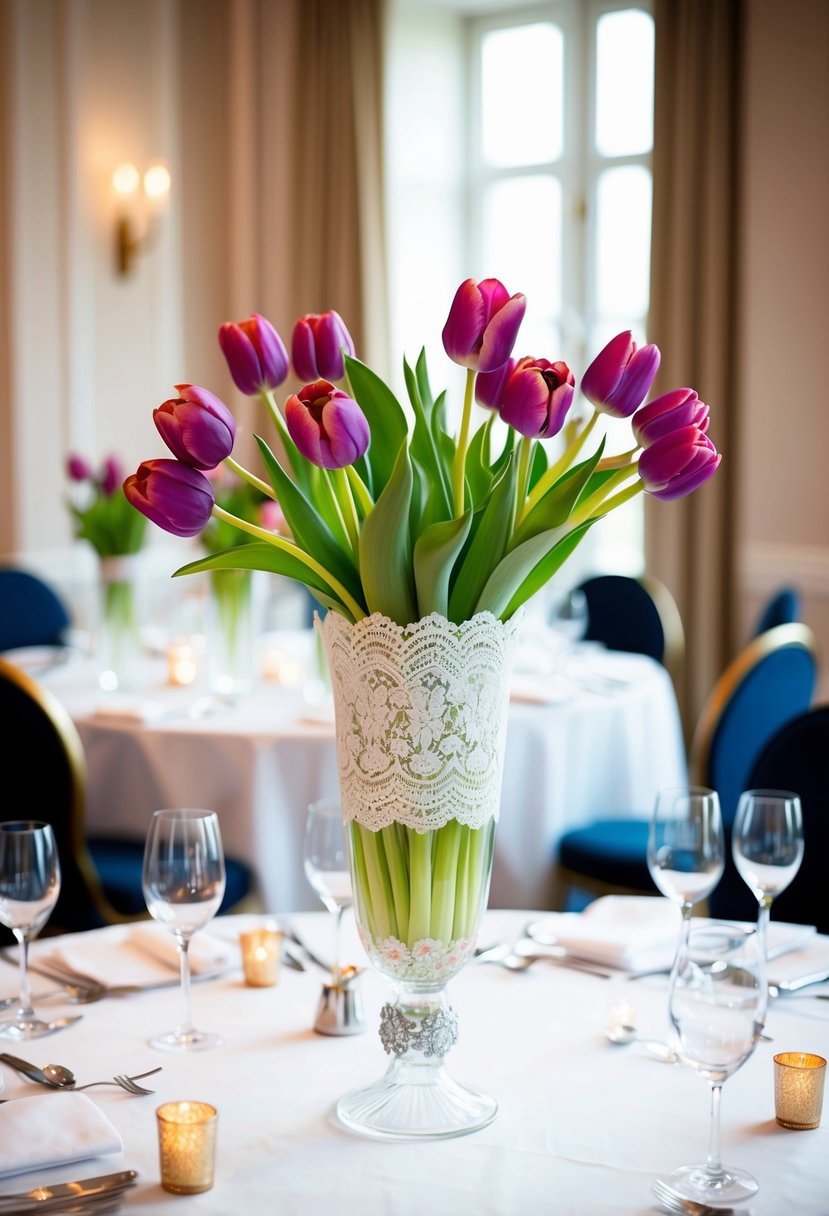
(232, 636)
(421, 717)
(118, 639)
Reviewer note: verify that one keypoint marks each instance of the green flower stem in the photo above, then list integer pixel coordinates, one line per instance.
(463, 443)
(524, 458)
(348, 511)
(462, 895)
(480, 848)
(622, 497)
(363, 888)
(590, 507)
(232, 591)
(250, 478)
(339, 526)
(420, 885)
(279, 542)
(359, 488)
(394, 844)
(379, 883)
(551, 476)
(279, 423)
(616, 462)
(444, 880)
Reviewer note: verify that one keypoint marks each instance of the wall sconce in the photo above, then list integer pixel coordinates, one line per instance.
(140, 202)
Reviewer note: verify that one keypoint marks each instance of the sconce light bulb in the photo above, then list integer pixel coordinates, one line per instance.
(157, 182)
(126, 179)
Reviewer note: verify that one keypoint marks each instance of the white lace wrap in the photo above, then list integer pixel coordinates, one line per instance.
(421, 718)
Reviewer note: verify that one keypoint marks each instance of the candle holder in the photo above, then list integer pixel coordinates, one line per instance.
(186, 1146)
(182, 663)
(261, 956)
(798, 1089)
(340, 1010)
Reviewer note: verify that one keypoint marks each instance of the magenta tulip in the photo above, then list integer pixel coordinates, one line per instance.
(619, 378)
(111, 476)
(172, 495)
(197, 427)
(78, 469)
(483, 324)
(677, 408)
(317, 346)
(327, 426)
(678, 463)
(489, 386)
(537, 396)
(255, 354)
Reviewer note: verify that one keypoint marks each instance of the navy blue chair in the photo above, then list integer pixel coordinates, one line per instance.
(795, 758)
(781, 608)
(100, 878)
(770, 682)
(31, 612)
(638, 615)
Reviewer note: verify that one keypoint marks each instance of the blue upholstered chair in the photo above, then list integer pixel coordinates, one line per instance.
(795, 758)
(31, 612)
(638, 615)
(781, 608)
(770, 682)
(100, 878)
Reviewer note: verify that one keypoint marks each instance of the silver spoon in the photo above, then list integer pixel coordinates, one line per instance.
(620, 1035)
(514, 961)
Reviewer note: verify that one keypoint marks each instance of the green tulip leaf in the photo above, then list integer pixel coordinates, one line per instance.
(525, 569)
(385, 547)
(488, 544)
(538, 464)
(557, 505)
(424, 451)
(434, 556)
(478, 471)
(387, 422)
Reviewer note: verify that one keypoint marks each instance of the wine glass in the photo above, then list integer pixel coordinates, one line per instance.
(717, 1005)
(686, 850)
(326, 865)
(29, 889)
(184, 884)
(767, 845)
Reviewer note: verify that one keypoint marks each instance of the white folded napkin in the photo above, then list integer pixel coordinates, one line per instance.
(143, 954)
(809, 957)
(53, 1129)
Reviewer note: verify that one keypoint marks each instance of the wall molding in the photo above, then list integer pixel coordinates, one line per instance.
(763, 567)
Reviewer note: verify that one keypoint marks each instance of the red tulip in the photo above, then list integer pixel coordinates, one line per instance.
(677, 408)
(327, 426)
(619, 378)
(317, 346)
(483, 324)
(174, 496)
(197, 427)
(537, 396)
(678, 463)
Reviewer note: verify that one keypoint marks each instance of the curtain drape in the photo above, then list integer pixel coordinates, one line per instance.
(693, 318)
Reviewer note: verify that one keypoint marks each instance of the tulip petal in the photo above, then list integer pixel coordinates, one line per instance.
(464, 325)
(500, 334)
(303, 351)
(241, 357)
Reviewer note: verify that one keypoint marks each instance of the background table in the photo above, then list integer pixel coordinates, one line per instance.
(595, 735)
(583, 1127)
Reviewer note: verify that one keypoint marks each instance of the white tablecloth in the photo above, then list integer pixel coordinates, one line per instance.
(583, 1127)
(596, 734)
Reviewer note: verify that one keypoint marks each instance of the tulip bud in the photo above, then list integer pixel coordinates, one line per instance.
(489, 386)
(483, 324)
(317, 346)
(677, 408)
(111, 476)
(172, 495)
(255, 354)
(537, 396)
(678, 463)
(619, 378)
(78, 469)
(327, 426)
(197, 427)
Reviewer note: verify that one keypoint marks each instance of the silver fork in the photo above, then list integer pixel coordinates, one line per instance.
(678, 1205)
(125, 1082)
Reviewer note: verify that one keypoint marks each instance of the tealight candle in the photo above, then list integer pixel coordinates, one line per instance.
(186, 1146)
(261, 951)
(182, 665)
(798, 1089)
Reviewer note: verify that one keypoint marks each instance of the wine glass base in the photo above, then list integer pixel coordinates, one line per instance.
(428, 1105)
(32, 1028)
(694, 1182)
(187, 1040)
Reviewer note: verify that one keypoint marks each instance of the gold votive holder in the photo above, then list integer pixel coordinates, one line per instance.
(182, 664)
(261, 955)
(798, 1089)
(186, 1146)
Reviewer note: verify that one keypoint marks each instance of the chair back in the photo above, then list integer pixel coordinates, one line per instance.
(771, 681)
(635, 614)
(782, 608)
(31, 612)
(795, 758)
(42, 745)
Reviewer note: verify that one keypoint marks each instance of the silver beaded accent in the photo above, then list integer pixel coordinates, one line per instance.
(433, 1035)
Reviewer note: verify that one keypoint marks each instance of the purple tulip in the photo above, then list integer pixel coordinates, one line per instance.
(327, 426)
(678, 463)
(78, 469)
(678, 408)
(111, 476)
(489, 386)
(173, 495)
(197, 427)
(619, 378)
(483, 324)
(537, 396)
(255, 354)
(317, 346)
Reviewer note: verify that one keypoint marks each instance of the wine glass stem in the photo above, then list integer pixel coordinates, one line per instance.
(763, 917)
(184, 960)
(26, 1010)
(714, 1165)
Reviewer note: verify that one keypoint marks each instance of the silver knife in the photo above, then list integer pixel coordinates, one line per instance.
(784, 986)
(42, 1197)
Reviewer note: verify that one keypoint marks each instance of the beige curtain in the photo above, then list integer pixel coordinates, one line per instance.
(690, 544)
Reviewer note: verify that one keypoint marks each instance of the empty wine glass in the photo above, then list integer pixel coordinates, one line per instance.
(717, 1005)
(569, 617)
(29, 889)
(767, 845)
(686, 851)
(184, 884)
(326, 865)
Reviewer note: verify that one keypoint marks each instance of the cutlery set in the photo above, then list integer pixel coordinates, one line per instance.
(87, 1197)
(57, 1076)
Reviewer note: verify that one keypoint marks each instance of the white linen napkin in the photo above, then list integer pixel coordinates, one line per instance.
(53, 1129)
(143, 954)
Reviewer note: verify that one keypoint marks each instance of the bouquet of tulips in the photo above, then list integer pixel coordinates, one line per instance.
(388, 511)
(101, 513)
